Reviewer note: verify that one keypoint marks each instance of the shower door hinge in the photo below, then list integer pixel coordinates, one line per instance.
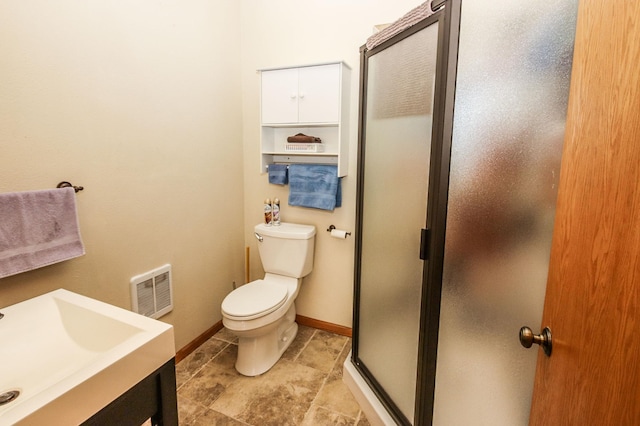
(425, 235)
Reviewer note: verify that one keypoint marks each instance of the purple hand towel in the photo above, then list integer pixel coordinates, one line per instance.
(38, 228)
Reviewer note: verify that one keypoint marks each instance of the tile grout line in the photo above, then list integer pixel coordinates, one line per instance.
(205, 364)
(207, 408)
(324, 382)
(295, 359)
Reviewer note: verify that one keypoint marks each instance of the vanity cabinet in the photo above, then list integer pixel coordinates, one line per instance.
(313, 100)
(154, 398)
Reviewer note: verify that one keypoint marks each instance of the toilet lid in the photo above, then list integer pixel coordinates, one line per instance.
(257, 298)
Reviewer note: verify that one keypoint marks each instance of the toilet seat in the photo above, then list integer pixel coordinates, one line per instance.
(254, 300)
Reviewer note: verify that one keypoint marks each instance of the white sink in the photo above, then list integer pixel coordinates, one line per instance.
(69, 356)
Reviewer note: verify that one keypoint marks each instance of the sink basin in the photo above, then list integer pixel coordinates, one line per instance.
(69, 356)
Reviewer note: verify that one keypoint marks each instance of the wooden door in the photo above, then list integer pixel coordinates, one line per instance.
(592, 301)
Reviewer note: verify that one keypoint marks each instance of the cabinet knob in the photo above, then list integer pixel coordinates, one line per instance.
(301, 95)
(293, 96)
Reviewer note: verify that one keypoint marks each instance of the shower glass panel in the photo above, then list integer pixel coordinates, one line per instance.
(398, 127)
(514, 66)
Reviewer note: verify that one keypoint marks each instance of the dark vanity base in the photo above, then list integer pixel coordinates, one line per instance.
(154, 397)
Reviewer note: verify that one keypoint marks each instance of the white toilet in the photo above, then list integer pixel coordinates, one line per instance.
(262, 313)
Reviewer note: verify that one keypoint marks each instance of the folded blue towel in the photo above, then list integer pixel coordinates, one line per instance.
(278, 174)
(315, 186)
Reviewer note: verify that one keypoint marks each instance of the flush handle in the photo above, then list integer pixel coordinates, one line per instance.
(527, 339)
(258, 237)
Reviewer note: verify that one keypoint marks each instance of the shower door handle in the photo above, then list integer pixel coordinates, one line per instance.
(424, 243)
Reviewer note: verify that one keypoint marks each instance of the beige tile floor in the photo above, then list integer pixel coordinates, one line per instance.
(304, 387)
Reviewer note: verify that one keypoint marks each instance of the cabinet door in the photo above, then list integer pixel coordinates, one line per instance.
(280, 96)
(319, 94)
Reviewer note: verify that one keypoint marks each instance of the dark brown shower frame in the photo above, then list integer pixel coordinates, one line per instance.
(433, 235)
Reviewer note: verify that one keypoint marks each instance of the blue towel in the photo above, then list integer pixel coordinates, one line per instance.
(278, 174)
(315, 186)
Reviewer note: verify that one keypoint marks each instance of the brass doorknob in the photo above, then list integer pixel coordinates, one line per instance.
(527, 339)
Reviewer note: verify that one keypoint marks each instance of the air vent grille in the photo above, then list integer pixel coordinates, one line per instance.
(152, 292)
(146, 305)
(163, 291)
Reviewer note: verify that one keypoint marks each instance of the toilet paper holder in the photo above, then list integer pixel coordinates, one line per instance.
(332, 227)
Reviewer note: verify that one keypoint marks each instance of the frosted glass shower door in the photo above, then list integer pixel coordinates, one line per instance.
(395, 158)
(512, 87)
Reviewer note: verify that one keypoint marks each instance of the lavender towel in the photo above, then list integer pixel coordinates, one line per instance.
(38, 228)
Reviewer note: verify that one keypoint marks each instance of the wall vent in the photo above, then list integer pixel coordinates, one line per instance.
(152, 292)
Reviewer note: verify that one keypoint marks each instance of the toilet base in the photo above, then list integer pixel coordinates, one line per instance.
(261, 348)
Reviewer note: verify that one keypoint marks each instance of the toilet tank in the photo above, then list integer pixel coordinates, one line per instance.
(286, 249)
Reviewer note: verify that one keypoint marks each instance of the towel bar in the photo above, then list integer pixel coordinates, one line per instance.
(65, 184)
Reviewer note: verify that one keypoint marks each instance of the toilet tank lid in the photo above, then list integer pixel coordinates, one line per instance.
(293, 231)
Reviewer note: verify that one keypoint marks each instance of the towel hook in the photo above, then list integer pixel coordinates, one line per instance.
(65, 184)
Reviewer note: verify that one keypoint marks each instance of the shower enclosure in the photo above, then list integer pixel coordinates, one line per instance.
(461, 128)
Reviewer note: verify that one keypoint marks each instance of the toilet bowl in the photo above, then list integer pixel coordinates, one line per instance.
(262, 313)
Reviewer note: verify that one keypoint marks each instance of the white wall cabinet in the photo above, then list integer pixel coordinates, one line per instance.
(313, 100)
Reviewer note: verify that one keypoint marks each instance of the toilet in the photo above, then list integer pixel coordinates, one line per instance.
(262, 313)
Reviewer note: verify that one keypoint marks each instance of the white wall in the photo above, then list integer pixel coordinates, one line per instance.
(139, 103)
(152, 106)
(293, 32)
